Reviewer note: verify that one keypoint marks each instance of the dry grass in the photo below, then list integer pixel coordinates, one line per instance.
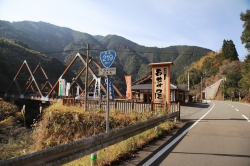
(13, 140)
(61, 125)
(247, 98)
(199, 63)
(125, 149)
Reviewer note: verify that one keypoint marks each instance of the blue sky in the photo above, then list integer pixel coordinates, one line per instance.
(160, 23)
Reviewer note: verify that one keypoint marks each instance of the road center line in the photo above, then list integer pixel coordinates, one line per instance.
(236, 109)
(246, 118)
(158, 154)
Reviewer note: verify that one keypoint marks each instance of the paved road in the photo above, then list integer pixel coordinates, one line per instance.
(214, 134)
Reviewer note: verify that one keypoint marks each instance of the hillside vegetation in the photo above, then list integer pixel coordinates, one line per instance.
(63, 43)
(215, 66)
(12, 55)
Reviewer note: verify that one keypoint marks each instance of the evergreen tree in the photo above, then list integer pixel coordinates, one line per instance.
(232, 52)
(229, 51)
(244, 83)
(245, 37)
(224, 49)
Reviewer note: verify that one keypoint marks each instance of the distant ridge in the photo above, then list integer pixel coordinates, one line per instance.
(132, 58)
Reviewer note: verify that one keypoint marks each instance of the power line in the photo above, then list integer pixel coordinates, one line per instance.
(127, 51)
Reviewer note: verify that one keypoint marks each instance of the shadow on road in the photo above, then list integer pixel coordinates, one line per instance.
(166, 153)
(196, 105)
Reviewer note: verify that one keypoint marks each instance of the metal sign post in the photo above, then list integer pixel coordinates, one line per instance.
(107, 58)
(107, 106)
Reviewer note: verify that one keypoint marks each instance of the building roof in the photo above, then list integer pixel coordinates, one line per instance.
(142, 87)
(146, 78)
(172, 86)
(149, 87)
(161, 64)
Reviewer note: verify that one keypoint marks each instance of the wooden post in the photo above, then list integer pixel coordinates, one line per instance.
(179, 108)
(152, 106)
(166, 107)
(100, 103)
(116, 104)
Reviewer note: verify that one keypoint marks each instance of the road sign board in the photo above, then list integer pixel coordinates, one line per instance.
(107, 71)
(107, 58)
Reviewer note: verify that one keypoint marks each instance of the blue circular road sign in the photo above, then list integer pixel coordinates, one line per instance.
(107, 58)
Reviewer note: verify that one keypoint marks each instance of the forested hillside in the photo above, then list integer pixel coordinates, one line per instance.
(13, 54)
(63, 44)
(215, 66)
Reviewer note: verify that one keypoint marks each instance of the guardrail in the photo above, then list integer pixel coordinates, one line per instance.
(68, 152)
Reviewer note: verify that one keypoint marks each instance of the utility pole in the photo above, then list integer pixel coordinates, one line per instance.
(188, 80)
(206, 85)
(223, 89)
(86, 78)
(201, 89)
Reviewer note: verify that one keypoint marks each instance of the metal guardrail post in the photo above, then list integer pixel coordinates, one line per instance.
(93, 158)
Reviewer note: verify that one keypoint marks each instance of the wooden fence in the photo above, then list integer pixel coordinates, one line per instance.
(125, 106)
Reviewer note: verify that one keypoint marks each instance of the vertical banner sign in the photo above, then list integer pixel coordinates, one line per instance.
(129, 89)
(160, 84)
(172, 94)
(67, 89)
(62, 87)
(97, 87)
(112, 96)
(111, 90)
(77, 90)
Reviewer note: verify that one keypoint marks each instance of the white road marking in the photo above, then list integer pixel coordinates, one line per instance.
(236, 109)
(232, 106)
(246, 118)
(158, 154)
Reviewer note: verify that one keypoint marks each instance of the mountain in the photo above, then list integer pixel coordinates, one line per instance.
(132, 58)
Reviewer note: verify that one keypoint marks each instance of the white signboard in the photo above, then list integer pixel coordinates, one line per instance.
(107, 71)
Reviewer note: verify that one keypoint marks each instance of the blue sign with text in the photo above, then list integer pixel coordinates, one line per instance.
(111, 89)
(107, 58)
